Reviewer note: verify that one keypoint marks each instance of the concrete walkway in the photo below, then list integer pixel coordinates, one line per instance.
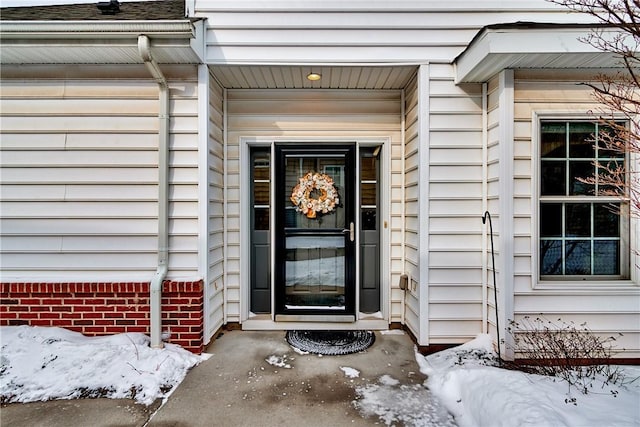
(256, 379)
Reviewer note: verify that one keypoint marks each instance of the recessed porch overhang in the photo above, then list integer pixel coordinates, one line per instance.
(531, 46)
(177, 42)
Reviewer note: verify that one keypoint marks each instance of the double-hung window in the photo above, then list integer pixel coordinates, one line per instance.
(583, 230)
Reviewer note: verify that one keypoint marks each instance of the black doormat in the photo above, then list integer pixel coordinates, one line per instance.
(331, 343)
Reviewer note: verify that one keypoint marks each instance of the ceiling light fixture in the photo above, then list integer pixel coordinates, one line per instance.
(314, 77)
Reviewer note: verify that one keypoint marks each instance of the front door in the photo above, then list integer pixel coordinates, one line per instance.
(315, 232)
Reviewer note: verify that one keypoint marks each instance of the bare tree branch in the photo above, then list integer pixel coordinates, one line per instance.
(617, 95)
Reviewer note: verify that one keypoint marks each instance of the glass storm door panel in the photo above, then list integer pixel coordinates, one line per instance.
(315, 232)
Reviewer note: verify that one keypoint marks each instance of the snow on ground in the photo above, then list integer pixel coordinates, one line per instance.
(462, 388)
(278, 361)
(392, 332)
(401, 404)
(478, 394)
(388, 380)
(350, 372)
(43, 363)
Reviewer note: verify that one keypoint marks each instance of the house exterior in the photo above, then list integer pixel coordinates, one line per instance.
(158, 170)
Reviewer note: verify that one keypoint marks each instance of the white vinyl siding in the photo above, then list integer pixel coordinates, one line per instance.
(215, 201)
(305, 114)
(500, 204)
(79, 179)
(411, 206)
(443, 231)
(455, 208)
(243, 32)
(607, 307)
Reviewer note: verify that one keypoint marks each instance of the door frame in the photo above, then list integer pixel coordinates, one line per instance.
(242, 285)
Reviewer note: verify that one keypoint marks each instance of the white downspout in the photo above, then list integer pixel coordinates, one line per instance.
(155, 297)
(485, 205)
(403, 228)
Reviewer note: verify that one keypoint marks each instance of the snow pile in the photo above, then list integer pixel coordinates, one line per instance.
(42, 363)
(479, 394)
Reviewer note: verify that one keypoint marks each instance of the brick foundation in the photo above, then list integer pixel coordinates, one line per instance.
(106, 308)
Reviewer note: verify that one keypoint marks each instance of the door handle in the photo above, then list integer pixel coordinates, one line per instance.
(351, 230)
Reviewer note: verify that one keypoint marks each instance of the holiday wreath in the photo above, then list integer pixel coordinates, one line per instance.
(323, 184)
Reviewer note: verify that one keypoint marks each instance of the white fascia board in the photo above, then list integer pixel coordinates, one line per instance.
(198, 41)
(487, 55)
(540, 41)
(477, 52)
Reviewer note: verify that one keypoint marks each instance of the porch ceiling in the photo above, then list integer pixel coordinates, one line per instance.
(333, 77)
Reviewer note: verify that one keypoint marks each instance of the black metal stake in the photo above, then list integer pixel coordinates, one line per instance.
(495, 284)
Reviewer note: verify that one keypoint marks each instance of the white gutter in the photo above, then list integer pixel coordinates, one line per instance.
(80, 29)
(155, 297)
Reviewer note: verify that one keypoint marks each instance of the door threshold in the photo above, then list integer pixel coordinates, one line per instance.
(265, 324)
(328, 318)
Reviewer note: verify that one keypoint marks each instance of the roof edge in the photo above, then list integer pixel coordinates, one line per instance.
(529, 45)
(529, 25)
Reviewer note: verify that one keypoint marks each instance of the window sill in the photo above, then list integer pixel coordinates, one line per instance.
(590, 285)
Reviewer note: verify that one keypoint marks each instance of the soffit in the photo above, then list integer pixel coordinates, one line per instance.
(530, 46)
(122, 52)
(333, 77)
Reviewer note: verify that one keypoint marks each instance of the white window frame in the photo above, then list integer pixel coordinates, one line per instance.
(629, 232)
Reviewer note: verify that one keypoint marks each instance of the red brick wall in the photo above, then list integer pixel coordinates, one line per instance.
(106, 308)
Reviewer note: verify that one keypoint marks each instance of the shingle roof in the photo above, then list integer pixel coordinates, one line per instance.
(137, 10)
